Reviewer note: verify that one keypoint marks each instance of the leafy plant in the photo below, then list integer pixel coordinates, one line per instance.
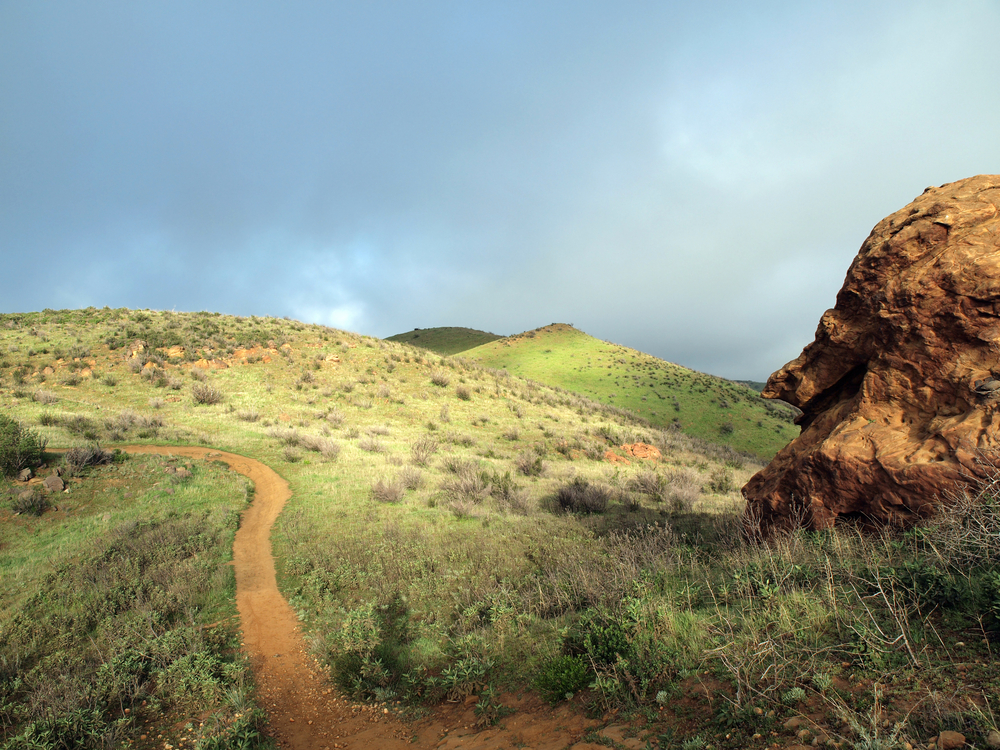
(561, 677)
(19, 447)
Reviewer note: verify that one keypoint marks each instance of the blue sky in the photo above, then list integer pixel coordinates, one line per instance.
(691, 179)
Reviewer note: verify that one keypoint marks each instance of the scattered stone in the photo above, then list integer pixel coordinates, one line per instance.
(949, 740)
(993, 739)
(794, 723)
(897, 389)
(54, 484)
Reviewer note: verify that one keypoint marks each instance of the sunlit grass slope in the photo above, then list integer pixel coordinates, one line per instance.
(458, 530)
(663, 393)
(447, 340)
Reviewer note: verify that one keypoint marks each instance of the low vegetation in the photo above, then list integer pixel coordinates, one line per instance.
(438, 547)
(118, 613)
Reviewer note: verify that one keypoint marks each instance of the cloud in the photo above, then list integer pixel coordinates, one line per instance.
(690, 179)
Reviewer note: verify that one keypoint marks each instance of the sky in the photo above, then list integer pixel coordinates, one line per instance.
(691, 179)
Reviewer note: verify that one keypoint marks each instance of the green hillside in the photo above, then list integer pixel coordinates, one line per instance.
(446, 340)
(456, 535)
(704, 406)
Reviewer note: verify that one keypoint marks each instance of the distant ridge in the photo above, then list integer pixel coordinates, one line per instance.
(705, 406)
(445, 340)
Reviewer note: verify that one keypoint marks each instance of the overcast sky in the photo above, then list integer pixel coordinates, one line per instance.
(688, 178)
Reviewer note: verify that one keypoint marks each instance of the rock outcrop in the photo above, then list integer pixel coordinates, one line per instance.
(899, 392)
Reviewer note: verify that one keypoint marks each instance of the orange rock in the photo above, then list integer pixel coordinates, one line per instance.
(642, 450)
(899, 390)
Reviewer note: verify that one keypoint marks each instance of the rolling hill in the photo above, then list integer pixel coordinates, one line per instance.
(446, 340)
(665, 394)
(460, 543)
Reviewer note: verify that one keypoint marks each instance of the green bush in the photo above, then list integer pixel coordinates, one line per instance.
(580, 496)
(19, 447)
(600, 637)
(561, 677)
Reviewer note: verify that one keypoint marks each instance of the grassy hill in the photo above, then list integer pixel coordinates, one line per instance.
(663, 393)
(447, 340)
(454, 530)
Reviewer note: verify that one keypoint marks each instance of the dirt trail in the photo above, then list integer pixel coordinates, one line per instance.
(305, 712)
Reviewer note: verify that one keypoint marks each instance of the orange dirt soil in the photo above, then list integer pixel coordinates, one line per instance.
(305, 711)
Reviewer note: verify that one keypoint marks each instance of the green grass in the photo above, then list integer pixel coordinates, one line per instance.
(118, 613)
(467, 574)
(703, 406)
(445, 340)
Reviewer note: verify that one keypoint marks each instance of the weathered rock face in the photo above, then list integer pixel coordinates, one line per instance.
(897, 391)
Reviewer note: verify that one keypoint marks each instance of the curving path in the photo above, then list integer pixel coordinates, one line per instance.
(305, 712)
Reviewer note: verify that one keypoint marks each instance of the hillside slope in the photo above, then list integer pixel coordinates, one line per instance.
(445, 340)
(661, 392)
(454, 532)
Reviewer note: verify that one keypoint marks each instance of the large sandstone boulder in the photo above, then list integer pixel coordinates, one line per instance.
(898, 393)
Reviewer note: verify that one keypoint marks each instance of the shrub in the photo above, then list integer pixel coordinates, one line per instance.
(580, 496)
(600, 637)
(79, 458)
(388, 492)
(649, 483)
(44, 397)
(199, 374)
(109, 380)
(463, 392)
(683, 489)
(371, 444)
(322, 445)
(468, 484)
(335, 417)
(529, 464)
(561, 677)
(440, 378)
(721, 481)
(32, 503)
(248, 415)
(422, 450)
(78, 424)
(206, 394)
(411, 478)
(19, 447)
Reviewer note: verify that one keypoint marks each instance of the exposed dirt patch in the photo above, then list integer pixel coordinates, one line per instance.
(613, 458)
(642, 450)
